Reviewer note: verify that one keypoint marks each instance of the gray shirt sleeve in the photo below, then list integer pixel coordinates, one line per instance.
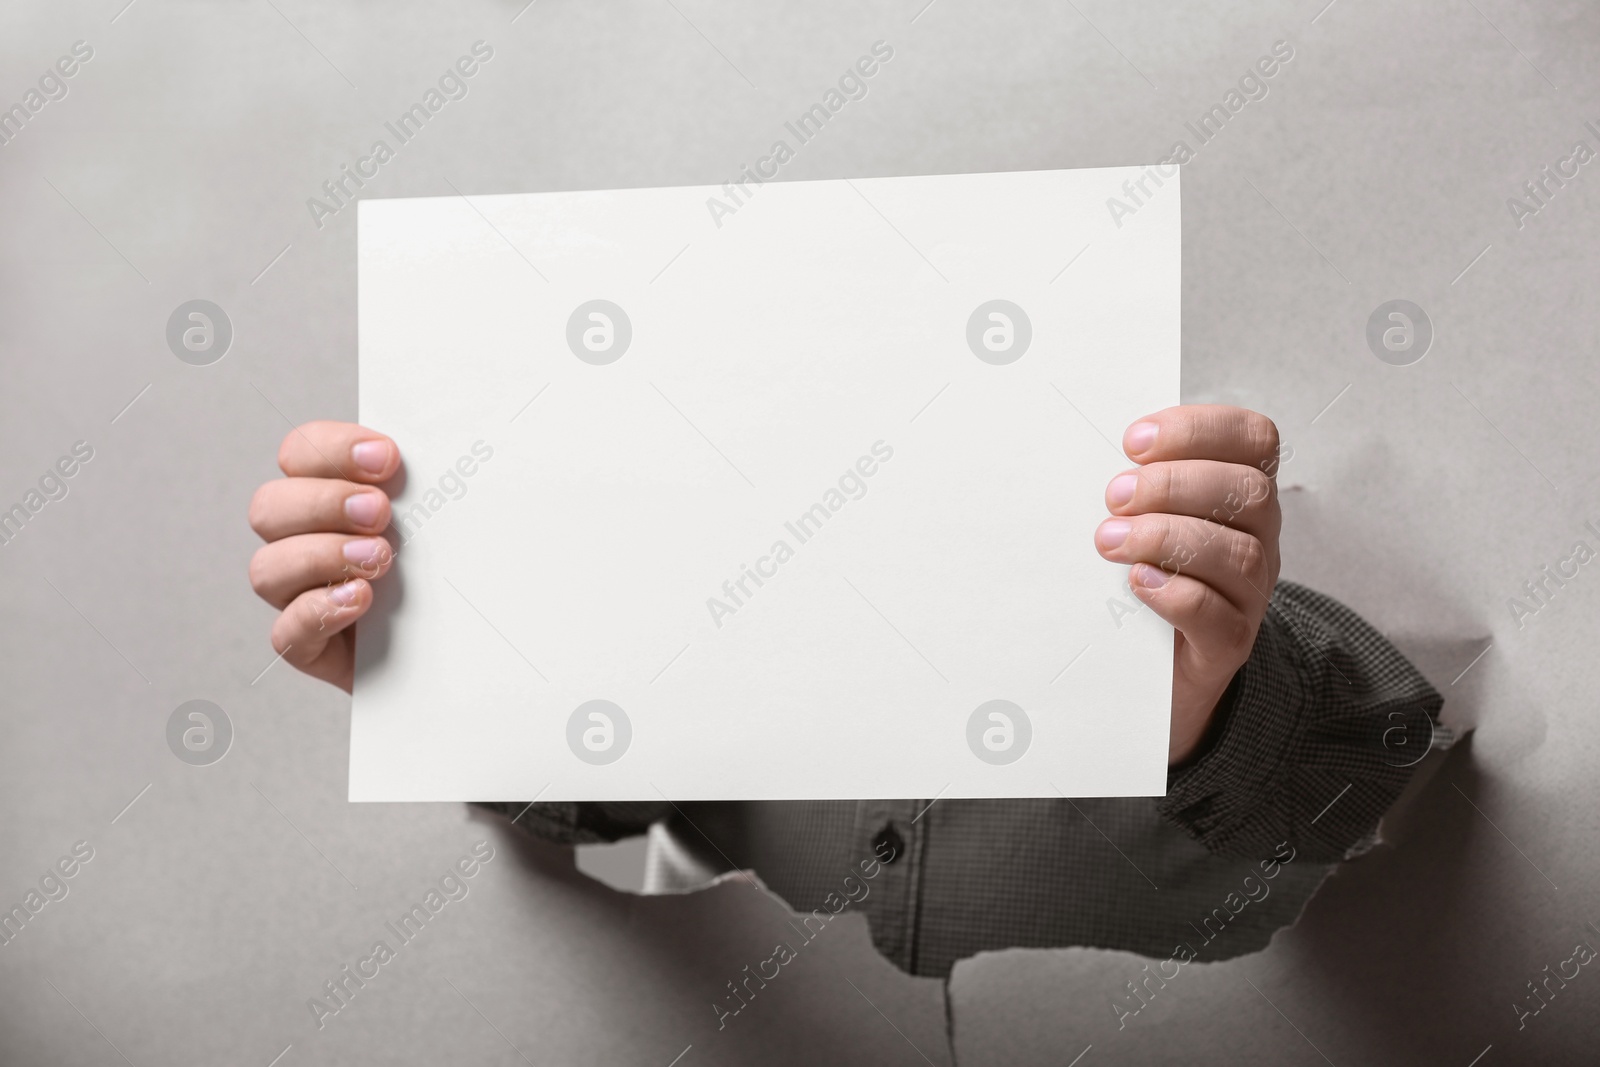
(1318, 734)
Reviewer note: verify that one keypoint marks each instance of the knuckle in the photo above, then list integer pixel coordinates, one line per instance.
(282, 636)
(1259, 489)
(314, 612)
(260, 571)
(1153, 534)
(1237, 630)
(1161, 484)
(1184, 431)
(1228, 626)
(286, 449)
(1262, 433)
(1174, 547)
(1249, 557)
(311, 615)
(260, 509)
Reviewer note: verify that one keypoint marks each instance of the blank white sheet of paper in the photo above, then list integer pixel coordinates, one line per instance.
(790, 498)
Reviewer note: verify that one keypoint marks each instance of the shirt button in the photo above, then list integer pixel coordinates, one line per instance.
(888, 845)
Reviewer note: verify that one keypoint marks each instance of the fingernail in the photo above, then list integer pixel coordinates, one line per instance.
(365, 551)
(1140, 436)
(363, 508)
(1112, 533)
(1149, 577)
(344, 595)
(371, 456)
(1121, 489)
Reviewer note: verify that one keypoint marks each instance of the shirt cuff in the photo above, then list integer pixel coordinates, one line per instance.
(1316, 739)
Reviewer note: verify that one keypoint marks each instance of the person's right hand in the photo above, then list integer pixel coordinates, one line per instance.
(323, 525)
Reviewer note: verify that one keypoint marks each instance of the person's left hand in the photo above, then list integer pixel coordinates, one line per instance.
(1198, 519)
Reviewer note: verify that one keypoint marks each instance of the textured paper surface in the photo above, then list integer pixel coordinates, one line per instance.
(789, 503)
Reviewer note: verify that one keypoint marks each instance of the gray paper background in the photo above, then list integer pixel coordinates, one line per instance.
(1377, 167)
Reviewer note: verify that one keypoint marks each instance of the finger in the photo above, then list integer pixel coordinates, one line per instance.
(1212, 625)
(309, 632)
(1232, 562)
(338, 450)
(1204, 431)
(1228, 493)
(282, 570)
(291, 506)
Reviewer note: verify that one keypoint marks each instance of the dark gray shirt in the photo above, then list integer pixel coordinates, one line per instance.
(1316, 737)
